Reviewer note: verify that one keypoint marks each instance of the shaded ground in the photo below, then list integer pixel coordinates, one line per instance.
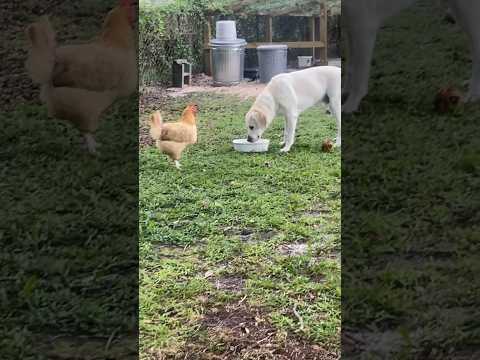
(410, 200)
(69, 266)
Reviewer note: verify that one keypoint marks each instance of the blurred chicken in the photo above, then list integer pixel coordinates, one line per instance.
(172, 138)
(79, 82)
(108, 62)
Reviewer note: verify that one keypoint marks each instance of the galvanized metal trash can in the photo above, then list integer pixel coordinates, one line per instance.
(228, 55)
(272, 60)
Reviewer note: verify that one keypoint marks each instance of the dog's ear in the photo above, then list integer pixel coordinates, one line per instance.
(261, 119)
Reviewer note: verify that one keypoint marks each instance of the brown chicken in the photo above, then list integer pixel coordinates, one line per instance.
(173, 137)
(79, 82)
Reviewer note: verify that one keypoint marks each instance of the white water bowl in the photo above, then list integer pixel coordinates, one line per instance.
(242, 145)
(226, 30)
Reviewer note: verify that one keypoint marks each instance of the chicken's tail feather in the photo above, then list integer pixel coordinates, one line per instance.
(41, 55)
(156, 123)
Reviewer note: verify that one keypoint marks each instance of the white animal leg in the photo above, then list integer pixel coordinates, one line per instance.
(90, 143)
(178, 165)
(290, 127)
(466, 12)
(335, 108)
(361, 53)
(284, 141)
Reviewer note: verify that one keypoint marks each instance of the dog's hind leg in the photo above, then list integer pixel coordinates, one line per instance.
(335, 107)
(284, 141)
(466, 12)
(361, 32)
(363, 43)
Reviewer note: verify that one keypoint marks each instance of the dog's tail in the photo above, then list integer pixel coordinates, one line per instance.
(156, 124)
(41, 54)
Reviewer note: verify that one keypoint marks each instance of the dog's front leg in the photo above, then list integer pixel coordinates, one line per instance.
(284, 140)
(290, 127)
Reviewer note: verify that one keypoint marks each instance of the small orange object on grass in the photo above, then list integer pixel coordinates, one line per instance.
(327, 145)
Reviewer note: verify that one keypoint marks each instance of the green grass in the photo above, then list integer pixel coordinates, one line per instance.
(410, 197)
(224, 216)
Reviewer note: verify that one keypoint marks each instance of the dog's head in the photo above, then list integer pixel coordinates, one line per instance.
(256, 123)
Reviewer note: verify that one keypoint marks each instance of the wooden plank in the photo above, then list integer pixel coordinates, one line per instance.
(312, 37)
(207, 36)
(323, 30)
(290, 44)
(269, 29)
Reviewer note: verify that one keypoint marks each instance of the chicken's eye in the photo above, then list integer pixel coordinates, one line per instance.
(251, 127)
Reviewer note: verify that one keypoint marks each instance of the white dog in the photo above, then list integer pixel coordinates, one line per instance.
(363, 19)
(292, 93)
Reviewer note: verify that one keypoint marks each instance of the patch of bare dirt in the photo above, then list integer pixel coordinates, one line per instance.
(151, 98)
(63, 347)
(317, 211)
(333, 255)
(170, 251)
(203, 83)
(238, 331)
(294, 249)
(249, 235)
(234, 284)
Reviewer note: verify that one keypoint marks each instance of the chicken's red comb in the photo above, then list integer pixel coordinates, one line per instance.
(193, 107)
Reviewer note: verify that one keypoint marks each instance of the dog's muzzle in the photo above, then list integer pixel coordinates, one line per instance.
(251, 139)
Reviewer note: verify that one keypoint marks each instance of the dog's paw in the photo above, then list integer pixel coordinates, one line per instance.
(285, 149)
(350, 106)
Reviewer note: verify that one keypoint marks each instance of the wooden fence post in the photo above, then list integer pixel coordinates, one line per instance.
(312, 37)
(207, 36)
(323, 30)
(269, 35)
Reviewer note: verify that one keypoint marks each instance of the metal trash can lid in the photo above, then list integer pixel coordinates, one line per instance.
(272, 47)
(236, 42)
